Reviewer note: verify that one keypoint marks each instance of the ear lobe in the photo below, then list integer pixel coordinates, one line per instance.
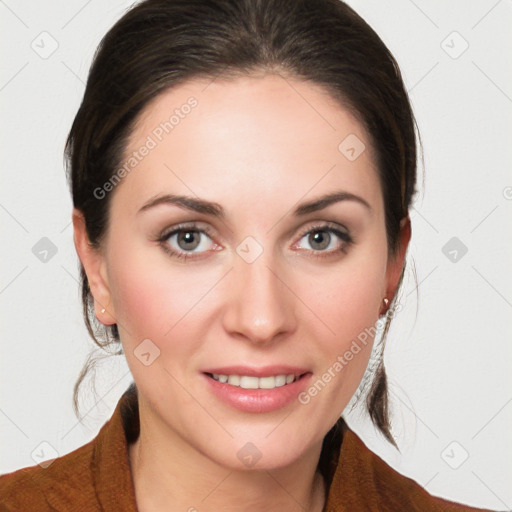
(94, 265)
(397, 261)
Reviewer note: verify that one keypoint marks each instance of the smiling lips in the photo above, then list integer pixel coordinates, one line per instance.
(257, 389)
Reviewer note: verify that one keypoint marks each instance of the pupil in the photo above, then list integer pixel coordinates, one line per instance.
(187, 238)
(321, 238)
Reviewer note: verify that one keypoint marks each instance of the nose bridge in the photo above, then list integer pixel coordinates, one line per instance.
(260, 304)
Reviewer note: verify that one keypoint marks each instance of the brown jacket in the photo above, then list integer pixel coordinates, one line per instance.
(97, 477)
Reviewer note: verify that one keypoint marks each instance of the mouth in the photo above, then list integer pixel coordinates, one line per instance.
(254, 382)
(257, 390)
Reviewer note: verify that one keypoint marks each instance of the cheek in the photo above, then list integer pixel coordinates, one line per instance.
(156, 300)
(153, 306)
(142, 309)
(147, 302)
(347, 300)
(350, 298)
(350, 309)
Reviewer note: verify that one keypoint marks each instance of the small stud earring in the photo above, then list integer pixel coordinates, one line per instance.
(386, 301)
(104, 309)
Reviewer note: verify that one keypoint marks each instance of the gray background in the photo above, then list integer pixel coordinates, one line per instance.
(449, 367)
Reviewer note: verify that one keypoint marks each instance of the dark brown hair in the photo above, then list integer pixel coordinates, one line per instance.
(159, 44)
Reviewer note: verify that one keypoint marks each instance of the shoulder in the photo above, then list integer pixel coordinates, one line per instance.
(19, 492)
(363, 481)
(65, 482)
(94, 477)
(399, 489)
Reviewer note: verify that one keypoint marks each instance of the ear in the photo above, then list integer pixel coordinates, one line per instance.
(94, 265)
(397, 261)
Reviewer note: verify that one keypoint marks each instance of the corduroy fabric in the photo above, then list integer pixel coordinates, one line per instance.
(97, 477)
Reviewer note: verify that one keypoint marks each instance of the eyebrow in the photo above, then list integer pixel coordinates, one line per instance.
(216, 210)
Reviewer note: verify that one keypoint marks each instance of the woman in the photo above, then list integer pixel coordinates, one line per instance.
(242, 173)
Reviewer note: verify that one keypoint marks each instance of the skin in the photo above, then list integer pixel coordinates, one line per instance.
(258, 147)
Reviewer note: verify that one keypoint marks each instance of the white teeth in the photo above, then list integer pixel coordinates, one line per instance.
(250, 382)
(267, 382)
(220, 378)
(280, 380)
(234, 380)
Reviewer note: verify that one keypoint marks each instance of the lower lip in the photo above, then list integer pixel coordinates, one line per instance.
(258, 400)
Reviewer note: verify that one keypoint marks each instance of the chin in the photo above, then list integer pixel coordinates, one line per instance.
(260, 451)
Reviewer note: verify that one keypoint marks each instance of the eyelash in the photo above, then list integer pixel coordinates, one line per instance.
(325, 227)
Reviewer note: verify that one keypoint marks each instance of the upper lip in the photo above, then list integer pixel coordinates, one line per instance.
(263, 371)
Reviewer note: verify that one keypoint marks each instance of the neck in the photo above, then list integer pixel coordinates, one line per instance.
(170, 475)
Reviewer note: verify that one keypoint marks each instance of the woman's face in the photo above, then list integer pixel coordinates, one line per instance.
(275, 281)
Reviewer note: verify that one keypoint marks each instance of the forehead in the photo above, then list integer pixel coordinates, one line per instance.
(256, 137)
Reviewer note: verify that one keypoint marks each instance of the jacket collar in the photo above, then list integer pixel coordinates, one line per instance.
(115, 489)
(99, 473)
(112, 478)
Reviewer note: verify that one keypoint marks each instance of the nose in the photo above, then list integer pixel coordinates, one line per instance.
(260, 306)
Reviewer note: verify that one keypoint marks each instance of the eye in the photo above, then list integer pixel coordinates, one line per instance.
(325, 239)
(190, 241)
(184, 241)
